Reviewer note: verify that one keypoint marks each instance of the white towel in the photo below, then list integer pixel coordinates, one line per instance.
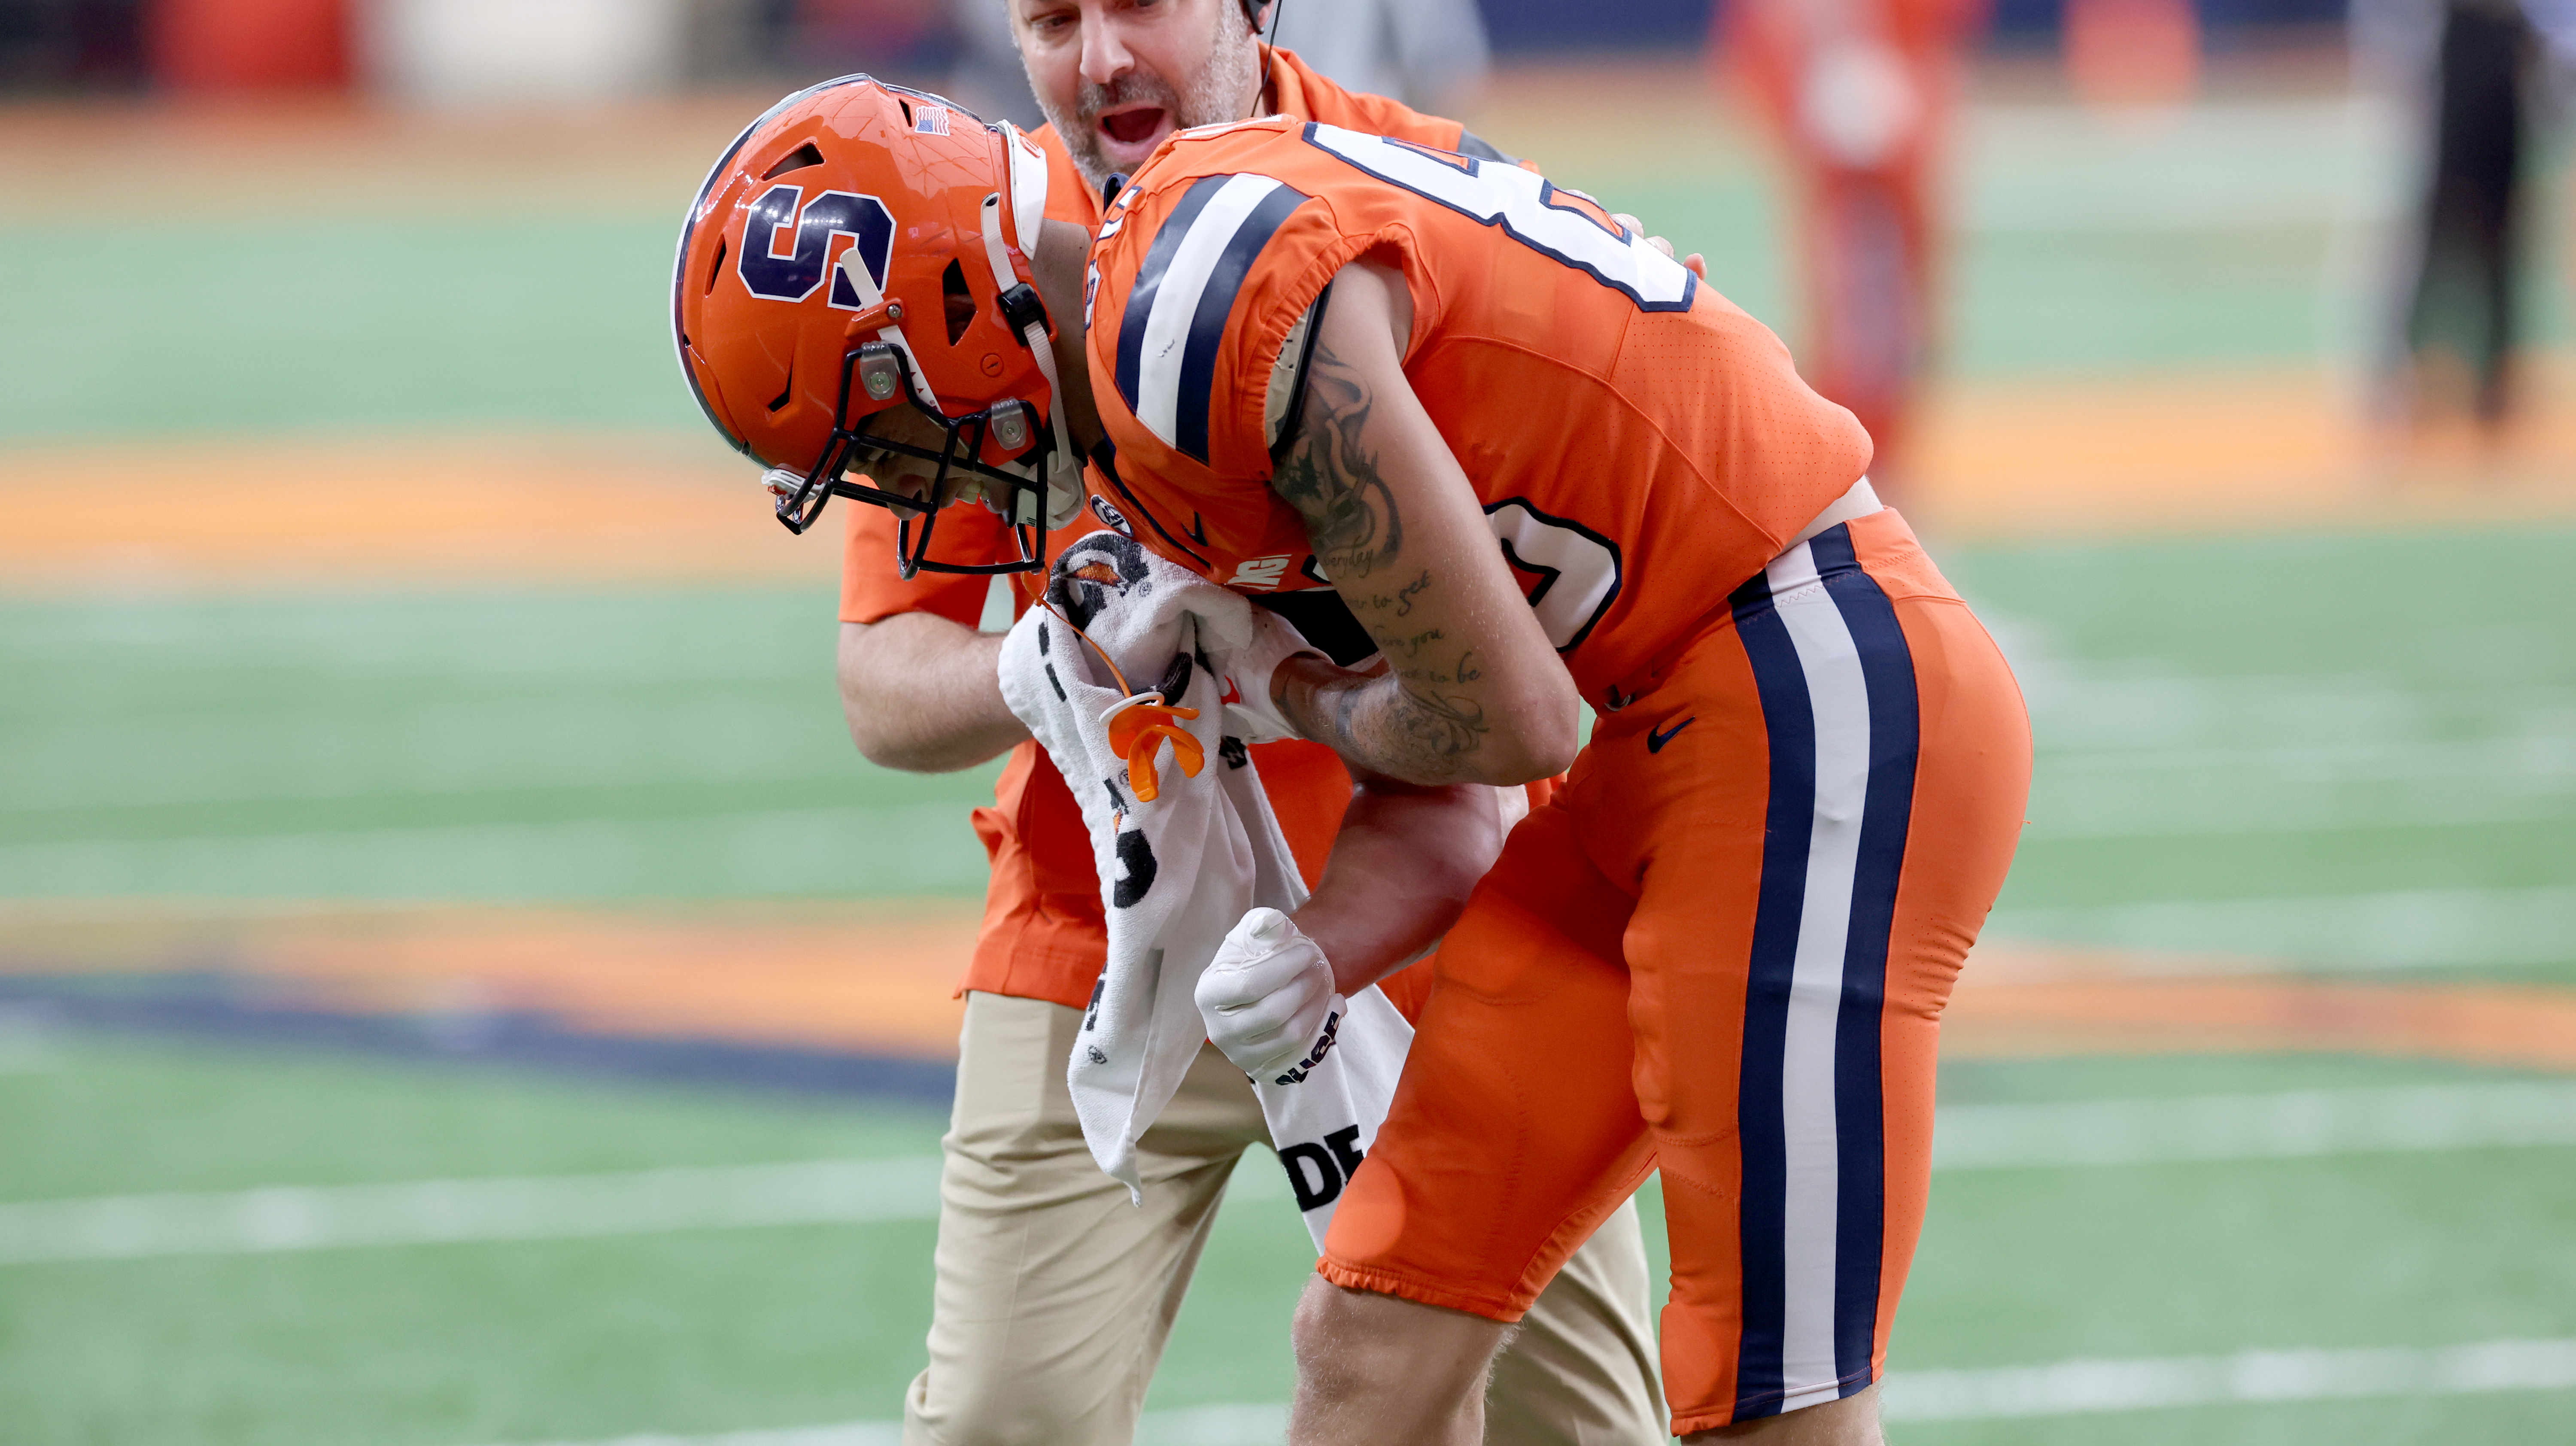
(1176, 873)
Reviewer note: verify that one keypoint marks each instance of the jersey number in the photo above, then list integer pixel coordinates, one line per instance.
(1569, 572)
(1562, 225)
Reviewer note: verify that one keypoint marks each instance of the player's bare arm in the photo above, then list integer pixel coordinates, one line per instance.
(920, 695)
(920, 691)
(1473, 693)
(1401, 868)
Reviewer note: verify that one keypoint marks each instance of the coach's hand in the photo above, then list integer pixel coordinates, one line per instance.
(1266, 994)
(1697, 263)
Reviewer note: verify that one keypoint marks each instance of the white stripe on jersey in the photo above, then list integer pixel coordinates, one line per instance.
(1838, 695)
(1176, 301)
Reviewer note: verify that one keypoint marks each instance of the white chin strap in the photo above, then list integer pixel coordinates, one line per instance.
(865, 287)
(1064, 477)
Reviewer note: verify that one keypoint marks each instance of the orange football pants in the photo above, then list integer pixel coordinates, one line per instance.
(1721, 952)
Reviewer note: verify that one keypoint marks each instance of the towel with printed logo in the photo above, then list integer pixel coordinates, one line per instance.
(1178, 870)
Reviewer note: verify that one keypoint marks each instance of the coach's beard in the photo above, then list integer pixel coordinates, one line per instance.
(1211, 99)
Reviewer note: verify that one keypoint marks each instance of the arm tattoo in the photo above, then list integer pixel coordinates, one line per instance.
(1331, 478)
(1401, 723)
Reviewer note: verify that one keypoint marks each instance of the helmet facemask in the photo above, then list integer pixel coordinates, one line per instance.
(882, 372)
(754, 296)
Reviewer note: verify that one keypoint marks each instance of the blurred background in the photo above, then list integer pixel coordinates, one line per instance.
(458, 984)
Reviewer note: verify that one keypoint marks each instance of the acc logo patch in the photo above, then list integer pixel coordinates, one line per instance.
(787, 243)
(1101, 509)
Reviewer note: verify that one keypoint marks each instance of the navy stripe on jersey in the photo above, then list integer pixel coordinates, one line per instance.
(1839, 704)
(1192, 412)
(1859, 1107)
(1173, 328)
(1149, 282)
(1790, 722)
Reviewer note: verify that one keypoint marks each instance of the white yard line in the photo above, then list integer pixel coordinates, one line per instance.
(790, 850)
(848, 1433)
(2249, 1377)
(1245, 1425)
(2323, 808)
(439, 1212)
(2285, 1126)
(2415, 928)
(1227, 1425)
(843, 1192)
(2067, 1388)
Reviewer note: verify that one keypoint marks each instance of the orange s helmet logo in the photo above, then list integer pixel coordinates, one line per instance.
(861, 251)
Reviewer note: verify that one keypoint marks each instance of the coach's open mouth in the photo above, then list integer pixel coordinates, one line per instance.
(1134, 131)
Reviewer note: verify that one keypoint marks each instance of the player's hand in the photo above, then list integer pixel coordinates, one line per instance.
(1697, 263)
(1266, 994)
(1251, 714)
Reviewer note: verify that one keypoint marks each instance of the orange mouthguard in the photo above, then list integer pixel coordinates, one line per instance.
(1137, 727)
(1139, 722)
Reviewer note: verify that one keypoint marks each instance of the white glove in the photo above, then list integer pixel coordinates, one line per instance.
(1268, 995)
(1248, 671)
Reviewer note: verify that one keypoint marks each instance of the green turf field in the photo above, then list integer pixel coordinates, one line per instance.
(2233, 735)
(2350, 753)
(2229, 234)
(715, 1329)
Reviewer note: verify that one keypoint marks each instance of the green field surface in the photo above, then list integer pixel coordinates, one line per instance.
(2350, 754)
(2241, 721)
(2353, 750)
(534, 746)
(706, 1331)
(2227, 234)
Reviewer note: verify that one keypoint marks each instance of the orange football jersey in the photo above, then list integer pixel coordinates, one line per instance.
(1042, 936)
(1641, 446)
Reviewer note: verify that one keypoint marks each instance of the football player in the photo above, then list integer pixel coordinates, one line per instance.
(1543, 464)
(1054, 1297)
(1538, 462)
(1859, 94)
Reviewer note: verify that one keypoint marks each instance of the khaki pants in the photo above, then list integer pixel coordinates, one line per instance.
(1055, 1294)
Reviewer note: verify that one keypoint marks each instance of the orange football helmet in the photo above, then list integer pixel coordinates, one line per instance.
(863, 247)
